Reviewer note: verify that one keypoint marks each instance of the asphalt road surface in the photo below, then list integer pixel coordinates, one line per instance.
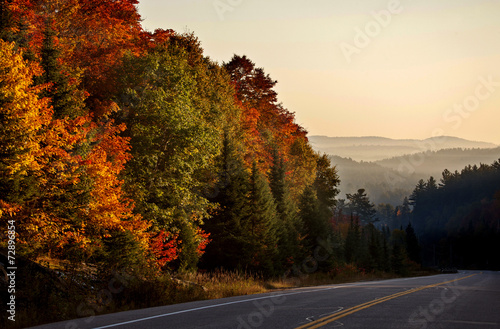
(468, 299)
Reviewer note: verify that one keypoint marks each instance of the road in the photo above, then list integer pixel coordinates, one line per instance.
(468, 299)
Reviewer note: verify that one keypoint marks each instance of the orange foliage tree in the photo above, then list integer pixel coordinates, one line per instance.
(93, 34)
(268, 126)
(59, 175)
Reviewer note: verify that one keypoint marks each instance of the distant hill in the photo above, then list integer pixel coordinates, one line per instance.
(376, 179)
(390, 180)
(379, 148)
(432, 163)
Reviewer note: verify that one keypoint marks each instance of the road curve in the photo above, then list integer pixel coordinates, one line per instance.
(468, 299)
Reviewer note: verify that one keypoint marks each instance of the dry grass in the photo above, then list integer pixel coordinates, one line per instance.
(163, 290)
(222, 284)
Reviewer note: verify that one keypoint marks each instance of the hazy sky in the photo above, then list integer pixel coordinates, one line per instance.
(398, 69)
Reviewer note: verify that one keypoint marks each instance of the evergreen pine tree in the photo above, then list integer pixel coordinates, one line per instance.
(326, 183)
(360, 205)
(352, 241)
(412, 247)
(374, 252)
(260, 224)
(228, 247)
(386, 254)
(398, 240)
(403, 213)
(15, 31)
(188, 257)
(288, 224)
(66, 99)
(120, 251)
(314, 227)
(6, 22)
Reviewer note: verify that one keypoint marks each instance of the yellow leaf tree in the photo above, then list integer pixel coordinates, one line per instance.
(22, 116)
(59, 176)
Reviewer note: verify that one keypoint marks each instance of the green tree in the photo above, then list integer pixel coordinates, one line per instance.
(303, 160)
(352, 241)
(387, 214)
(373, 254)
(360, 205)
(120, 251)
(260, 224)
(386, 253)
(228, 247)
(431, 184)
(326, 182)
(175, 141)
(417, 192)
(188, 257)
(405, 209)
(412, 246)
(399, 256)
(315, 227)
(289, 225)
(66, 100)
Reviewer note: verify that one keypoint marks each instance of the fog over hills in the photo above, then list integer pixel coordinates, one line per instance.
(379, 148)
(389, 169)
(432, 163)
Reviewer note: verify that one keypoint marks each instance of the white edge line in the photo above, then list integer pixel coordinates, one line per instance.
(249, 300)
(211, 306)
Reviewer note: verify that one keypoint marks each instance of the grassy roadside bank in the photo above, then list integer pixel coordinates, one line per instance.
(50, 295)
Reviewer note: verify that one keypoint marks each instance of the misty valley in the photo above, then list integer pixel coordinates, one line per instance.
(447, 188)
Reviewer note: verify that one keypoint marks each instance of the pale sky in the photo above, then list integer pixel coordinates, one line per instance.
(397, 69)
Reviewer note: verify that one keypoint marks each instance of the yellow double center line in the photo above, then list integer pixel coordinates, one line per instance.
(334, 317)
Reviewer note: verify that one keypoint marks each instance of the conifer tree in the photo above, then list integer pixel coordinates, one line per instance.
(326, 183)
(6, 22)
(374, 252)
(352, 241)
(398, 258)
(188, 257)
(228, 247)
(289, 224)
(65, 99)
(12, 30)
(360, 205)
(412, 246)
(386, 254)
(418, 192)
(260, 224)
(120, 251)
(316, 225)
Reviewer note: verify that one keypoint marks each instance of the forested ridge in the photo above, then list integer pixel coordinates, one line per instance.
(388, 181)
(115, 136)
(458, 218)
(117, 141)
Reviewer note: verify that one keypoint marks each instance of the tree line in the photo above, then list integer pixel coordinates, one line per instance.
(457, 218)
(123, 148)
